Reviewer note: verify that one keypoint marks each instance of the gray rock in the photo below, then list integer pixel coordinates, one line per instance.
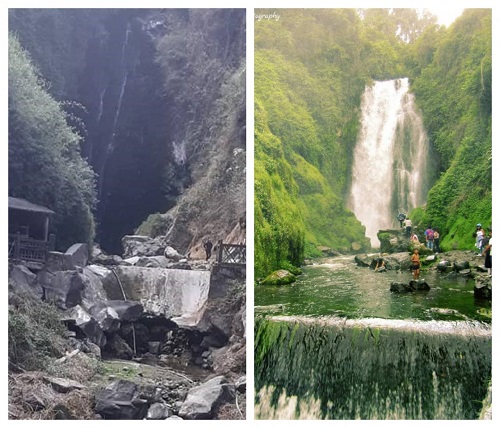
(125, 310)
(65, 288)
(63, 385)
(420, 285)
(78, 254)
(88, 325)
(121, 400)
(443, 266)
(173, 254)
(107, 317)
(158, 411)
(21, 279)
(363, 260)
(57, 261)
(461, 265)
(482, 287)
(202, 401)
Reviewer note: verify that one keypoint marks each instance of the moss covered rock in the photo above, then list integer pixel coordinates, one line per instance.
(279, 277)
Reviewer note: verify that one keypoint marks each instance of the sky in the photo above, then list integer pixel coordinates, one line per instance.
(446, 15)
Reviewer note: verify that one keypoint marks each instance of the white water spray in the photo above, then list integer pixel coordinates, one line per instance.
(390, 158)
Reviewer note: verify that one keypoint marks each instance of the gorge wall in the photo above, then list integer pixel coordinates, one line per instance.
(154, 122)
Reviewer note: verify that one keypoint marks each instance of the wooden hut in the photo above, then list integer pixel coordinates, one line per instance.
(29, 237)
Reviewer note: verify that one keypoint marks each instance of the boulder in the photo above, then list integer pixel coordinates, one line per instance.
(56, 261)
(138, 245)
(461, 265)
(363, 260)
(81, 321)
(172, 254)
(402, 287)
(22, 280)
(279, 277)
(121, 400)
(64, 288)
(482, 287)
(126, 310)
(158, 411)
(78, 254)
(420, 285)
(63, 385)
(444, 266)
(107, 317)
(108, 280)
(202, 401)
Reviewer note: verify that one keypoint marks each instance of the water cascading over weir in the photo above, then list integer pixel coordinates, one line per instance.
(391, 158)
(336, 368)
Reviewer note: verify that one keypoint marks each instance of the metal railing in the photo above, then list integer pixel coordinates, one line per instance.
(231, 254)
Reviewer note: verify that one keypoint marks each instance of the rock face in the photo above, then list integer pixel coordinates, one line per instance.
(81, 321)
(279, 277)
(202, 401)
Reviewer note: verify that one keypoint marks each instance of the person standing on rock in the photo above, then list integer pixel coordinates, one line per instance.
(436, 242)
(429, 238)
(208, 248)
(479, 238)
(407, 224)
(401, 217)
(487, 252)
(415, 264)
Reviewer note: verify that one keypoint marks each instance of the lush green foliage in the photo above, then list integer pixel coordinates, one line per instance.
(454, 93)
(311, 67)
(45, 165)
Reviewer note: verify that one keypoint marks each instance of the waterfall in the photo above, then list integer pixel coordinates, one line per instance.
(110, 147)
(391, 157)
(335, 368)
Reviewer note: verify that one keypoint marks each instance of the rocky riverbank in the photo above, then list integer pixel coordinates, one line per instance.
(150, 335)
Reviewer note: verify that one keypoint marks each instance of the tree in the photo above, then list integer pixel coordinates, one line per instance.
(45, 165)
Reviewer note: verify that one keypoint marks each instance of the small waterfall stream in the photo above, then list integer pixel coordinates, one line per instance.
(391, 158)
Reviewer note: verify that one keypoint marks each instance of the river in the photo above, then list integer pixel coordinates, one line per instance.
(337, 344)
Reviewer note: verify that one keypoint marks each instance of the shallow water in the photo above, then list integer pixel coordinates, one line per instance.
(338, 287)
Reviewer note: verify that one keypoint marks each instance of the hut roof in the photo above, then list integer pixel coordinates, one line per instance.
(24, 205)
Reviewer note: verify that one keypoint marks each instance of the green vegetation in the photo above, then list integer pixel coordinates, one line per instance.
(311, 68)
(35, 333)
(45, 165)
(454, 93)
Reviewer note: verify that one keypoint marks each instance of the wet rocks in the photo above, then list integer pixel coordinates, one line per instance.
(402, 287)
(444, 266)
(482, 287)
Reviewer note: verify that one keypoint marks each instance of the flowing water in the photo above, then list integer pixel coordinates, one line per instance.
(391, 158)
(337, 344)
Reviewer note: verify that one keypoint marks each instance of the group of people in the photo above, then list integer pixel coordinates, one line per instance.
(431, 235)
(483, 245)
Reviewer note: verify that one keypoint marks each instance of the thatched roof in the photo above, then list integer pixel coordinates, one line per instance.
(24, 205)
